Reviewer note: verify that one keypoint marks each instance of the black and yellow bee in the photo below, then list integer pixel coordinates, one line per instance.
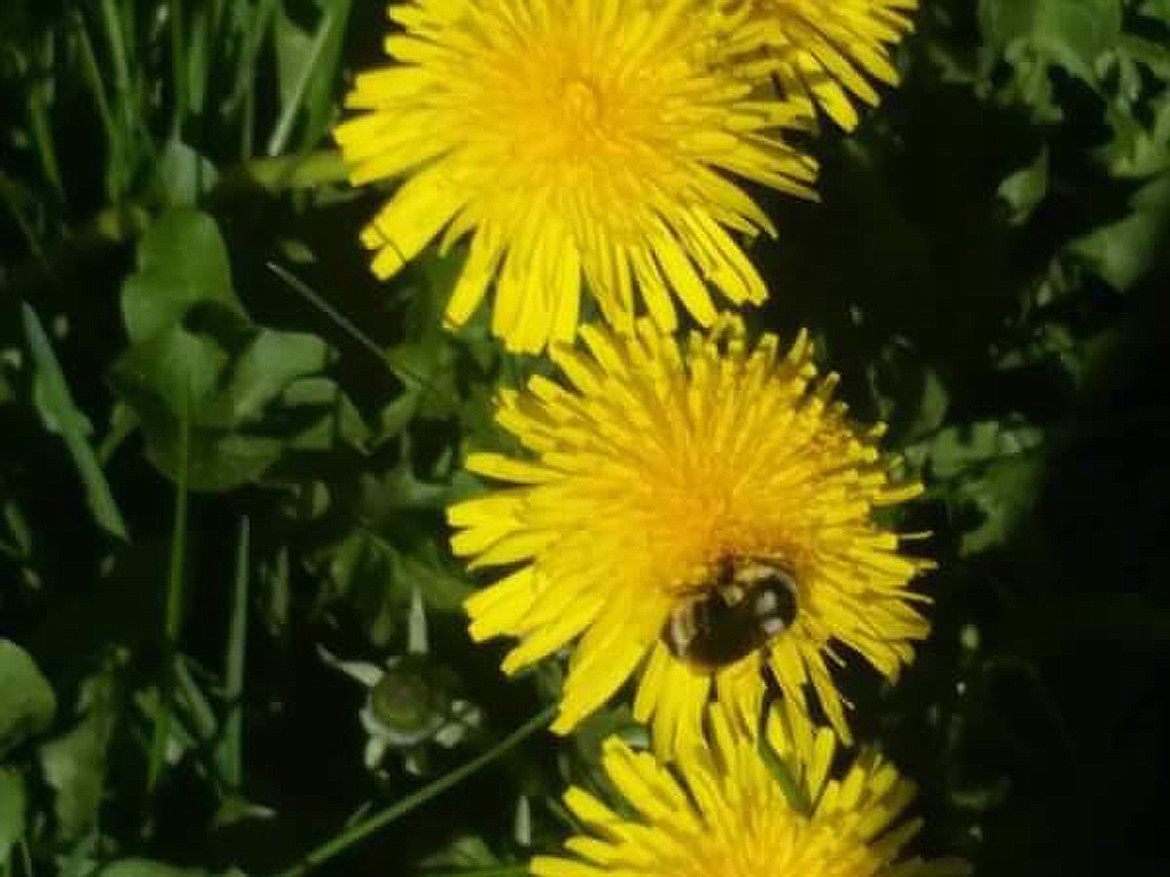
(743, 604)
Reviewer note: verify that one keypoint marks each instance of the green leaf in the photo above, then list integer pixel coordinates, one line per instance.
(74, 764)
(305, 66)
(1026, 188)
(182, 260)
(464, 852)
(184, 175)
(134, 867)
(269, 364)
(1157, 9)
(198, 356)
(1003, 496)
(61, 416)
(960, 450)
(12, 808)
(1125, 251)
(332, 415)
(1068, 33)
(27, 702)
(443, 589)
(932, 406)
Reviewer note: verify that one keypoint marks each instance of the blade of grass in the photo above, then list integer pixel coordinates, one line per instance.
(41, 130)
(193, 705)
(288, 113)
(407, 376)
(118, 24)
(173, 618)
(11, 197)
(358, 832)
(70, 424)
(178, 68)
(261, 27)
(230, 751)
(93, 76)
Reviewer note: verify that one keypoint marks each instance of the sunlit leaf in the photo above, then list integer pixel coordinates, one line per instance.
(74, 764)
(182, 261)
(27, 703)
(13, 802)
(1125, 251)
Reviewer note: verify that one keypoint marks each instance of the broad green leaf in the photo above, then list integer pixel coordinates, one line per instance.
(74, 764)
(269, 364)
(1125, 251)
(12, 809)
(62, 416)
(182, 260)
(184, 175)
(331, 416)
(27, 702)
(174, 372)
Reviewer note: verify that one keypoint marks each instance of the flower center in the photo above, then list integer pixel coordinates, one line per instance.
(582, 102)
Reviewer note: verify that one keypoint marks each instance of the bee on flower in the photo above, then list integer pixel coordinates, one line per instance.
(694, 514)
(577, 144)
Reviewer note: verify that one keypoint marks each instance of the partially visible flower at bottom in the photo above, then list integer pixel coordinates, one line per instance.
(722, 812)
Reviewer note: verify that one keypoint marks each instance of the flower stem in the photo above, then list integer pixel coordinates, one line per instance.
(356, 833)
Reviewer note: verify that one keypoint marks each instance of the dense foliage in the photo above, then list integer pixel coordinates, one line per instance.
(230, 620)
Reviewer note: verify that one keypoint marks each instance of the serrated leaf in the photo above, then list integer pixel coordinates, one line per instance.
(27, 702)
(957, 450)
(1003, 495)
(1069, 33)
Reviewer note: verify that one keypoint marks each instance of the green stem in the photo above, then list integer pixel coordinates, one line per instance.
(356, 833)
(174, 613)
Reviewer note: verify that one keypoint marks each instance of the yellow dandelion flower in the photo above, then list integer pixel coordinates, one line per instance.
(682, 504)
(722, 813)
(829, 50)
(573, 141)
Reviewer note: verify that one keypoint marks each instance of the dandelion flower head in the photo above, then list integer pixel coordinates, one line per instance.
(830, 50)
(652, 462)
(574, 142)
(722, 812)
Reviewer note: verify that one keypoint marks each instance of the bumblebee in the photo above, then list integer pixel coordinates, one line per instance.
(738, 608)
